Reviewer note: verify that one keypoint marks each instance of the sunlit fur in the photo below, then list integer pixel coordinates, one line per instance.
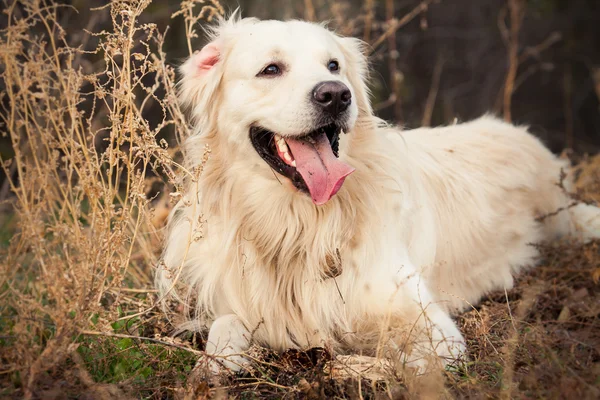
(431, 220)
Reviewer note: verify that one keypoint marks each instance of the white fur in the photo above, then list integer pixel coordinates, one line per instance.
(431, 220)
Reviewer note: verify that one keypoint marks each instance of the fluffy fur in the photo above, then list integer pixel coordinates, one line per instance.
(431, 220)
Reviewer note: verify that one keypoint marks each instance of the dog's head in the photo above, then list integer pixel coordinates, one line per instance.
(283, 95)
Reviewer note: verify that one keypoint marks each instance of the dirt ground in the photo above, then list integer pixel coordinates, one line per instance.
(540, 339)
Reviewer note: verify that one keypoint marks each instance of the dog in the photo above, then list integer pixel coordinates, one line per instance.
(314, 223)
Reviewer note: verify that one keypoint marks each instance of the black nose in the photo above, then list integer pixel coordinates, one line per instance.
(332, 97)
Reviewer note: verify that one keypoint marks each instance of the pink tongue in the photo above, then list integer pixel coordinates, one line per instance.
(323, 173)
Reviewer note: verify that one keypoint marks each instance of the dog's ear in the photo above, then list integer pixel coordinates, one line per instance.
(202, 75)
(203, 61)
(354, 51)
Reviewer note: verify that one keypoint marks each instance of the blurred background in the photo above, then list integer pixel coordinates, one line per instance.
(455, 53)
(436, 61)
(451, 58)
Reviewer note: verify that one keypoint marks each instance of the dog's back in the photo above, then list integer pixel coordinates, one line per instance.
(494, 190)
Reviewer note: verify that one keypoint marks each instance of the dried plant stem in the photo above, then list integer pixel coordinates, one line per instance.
(523, 307)
(369, 6)
(568, 107)
(309, 11)
(395, 75)
(529, 52)
(516, 13)
(595, 72)
(78, 175)
(146, 339)
(433, 91)
(397, 24)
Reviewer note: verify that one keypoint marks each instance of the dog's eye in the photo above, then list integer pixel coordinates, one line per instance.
(271, 69)
(333, 66)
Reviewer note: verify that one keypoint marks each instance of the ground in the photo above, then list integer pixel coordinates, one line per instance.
(540, 339)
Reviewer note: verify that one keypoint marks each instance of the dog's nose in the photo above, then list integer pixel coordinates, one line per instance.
(332, 96)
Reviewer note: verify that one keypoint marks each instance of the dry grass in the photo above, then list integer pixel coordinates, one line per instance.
(88, 189)
(85, 156)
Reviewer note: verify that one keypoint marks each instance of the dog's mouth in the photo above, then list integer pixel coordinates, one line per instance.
(309, 161)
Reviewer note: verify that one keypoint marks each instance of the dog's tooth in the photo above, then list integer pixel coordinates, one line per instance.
(282, 146)
(293, 163)
(287, 157)
(280, 142)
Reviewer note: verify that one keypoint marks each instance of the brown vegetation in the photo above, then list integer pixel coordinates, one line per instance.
(95, 129)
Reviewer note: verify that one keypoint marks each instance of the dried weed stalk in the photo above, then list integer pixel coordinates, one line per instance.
(84, 155)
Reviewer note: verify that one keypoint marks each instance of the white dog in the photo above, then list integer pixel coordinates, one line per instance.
(315, 224)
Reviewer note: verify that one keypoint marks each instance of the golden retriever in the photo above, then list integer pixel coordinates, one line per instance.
(316, 224)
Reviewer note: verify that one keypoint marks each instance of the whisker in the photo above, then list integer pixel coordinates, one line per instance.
(276, 177)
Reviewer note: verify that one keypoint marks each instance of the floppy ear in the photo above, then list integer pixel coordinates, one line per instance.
(202, 74)
(358, 72)
(204, 60)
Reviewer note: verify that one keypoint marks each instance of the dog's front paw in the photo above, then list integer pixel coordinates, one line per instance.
(445, 343)
(451, 350)
(448, 343)
(216, 369)
(225, 365)
(431, 355)
(227, 340)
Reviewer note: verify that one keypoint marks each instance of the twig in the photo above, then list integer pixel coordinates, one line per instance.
(261, 383)
(433, 91)
(400, 23)
(536, 51)
(369, 4)
(128, 290)
(568, 102)
(386, 103)
(512, 320)
(157, 341)
(5, 190)
(557, 211)
(309, 10)
(523, 307)
(395, 75)
(9, 371)
(529, 52)
(596, 78)
(517, 12)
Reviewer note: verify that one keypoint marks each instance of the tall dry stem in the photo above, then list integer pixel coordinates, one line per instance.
(516, 13)
(85, 154)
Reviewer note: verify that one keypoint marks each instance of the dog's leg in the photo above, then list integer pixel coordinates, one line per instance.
(433, 340)
(436, 333)
(445, 338)
(421, 331)
(228, 338)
